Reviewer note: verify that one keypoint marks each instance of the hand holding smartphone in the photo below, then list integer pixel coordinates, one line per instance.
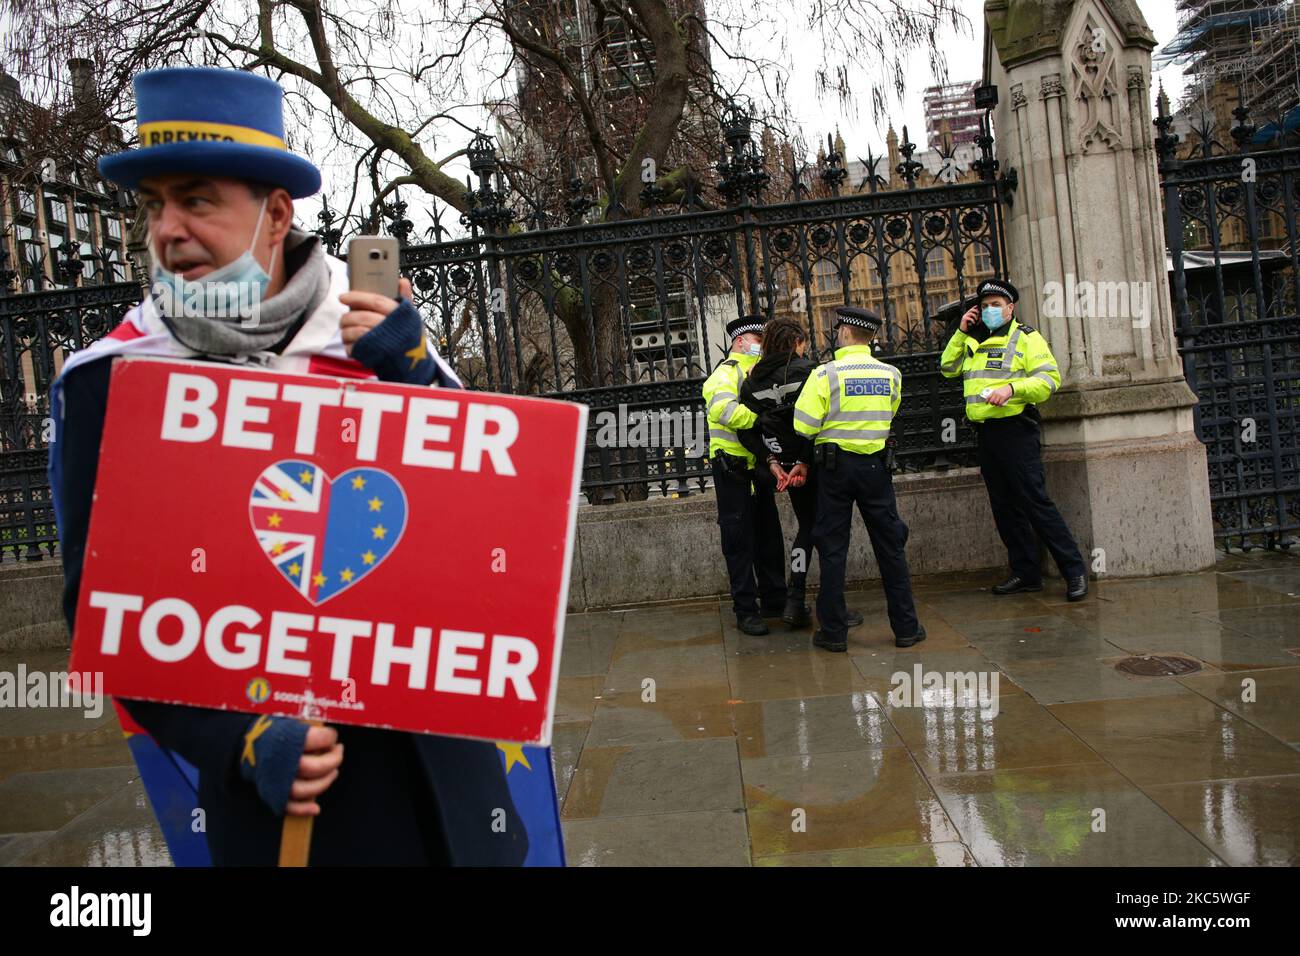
(372, 265)
(374, 286)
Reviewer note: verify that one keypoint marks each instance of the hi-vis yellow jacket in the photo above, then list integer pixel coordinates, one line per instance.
(850, 401)
(1017, 356)
(725, 412)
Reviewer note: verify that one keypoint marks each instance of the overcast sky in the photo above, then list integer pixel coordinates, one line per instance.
(965, 62)
(817, 118)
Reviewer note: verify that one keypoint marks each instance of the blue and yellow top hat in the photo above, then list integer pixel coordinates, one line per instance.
(213, 122)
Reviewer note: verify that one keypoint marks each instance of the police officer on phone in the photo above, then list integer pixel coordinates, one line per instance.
(1007, 368)
(847, 406)
(751, 527)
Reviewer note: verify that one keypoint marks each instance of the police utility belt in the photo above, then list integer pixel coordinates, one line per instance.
(1031, 417)
(826, 455)
(732, 464)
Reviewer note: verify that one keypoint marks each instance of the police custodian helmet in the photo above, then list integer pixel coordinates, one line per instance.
(1002, 287)
(853, 315)
(746, 323)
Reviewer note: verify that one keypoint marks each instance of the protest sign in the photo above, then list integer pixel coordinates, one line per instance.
(344, 551)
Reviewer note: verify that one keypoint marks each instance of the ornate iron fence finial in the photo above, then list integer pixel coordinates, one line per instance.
(834, 172)
(487, 205)
(909, 168)
(1165, 139)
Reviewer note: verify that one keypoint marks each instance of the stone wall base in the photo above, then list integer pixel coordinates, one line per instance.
(670, 550)
(31, 606)
(1137, 507)
(1144, 501)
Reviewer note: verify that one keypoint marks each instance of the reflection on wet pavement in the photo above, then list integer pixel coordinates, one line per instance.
(1008, 738)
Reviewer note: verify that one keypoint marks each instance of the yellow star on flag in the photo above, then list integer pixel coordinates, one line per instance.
(375, 504)
(274, 520)
(284, 493)
(379, 531)
(304, 476)
(514, 754)
(259, 727)
(295, 568)
(358, 482)
(368, 557)
(417, 354)
(346, 574)
(318, 580)
(277, 548)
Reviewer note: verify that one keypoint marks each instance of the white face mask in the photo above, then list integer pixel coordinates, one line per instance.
(754, 349)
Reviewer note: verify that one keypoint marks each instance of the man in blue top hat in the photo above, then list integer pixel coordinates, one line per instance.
(233, 280)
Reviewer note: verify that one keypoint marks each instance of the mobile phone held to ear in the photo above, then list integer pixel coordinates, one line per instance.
(372, 265)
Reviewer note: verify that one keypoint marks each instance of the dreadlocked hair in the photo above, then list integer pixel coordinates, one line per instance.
(782, 336)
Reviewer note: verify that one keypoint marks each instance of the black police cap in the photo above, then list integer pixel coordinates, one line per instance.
(853, 315)
(746, 323)
(1002, 287)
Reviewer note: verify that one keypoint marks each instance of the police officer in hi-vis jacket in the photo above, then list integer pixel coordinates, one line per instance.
(846, 407)
(1007, 369)
(751, 526)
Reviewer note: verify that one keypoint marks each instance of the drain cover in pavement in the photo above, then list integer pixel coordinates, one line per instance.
(1157, 666)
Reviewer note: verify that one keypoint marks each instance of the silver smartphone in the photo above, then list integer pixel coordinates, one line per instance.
(372, 265)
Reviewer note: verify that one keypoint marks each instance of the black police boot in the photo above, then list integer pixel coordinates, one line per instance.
(1015, 584)
(821, 640)
(916, 638)
(853, 618)
(1076, 588)
(796, 613)
(751, 624)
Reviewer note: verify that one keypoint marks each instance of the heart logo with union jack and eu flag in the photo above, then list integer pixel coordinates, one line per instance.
(325, 534)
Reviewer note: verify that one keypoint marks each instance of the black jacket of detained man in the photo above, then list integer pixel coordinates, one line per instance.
(770, 389)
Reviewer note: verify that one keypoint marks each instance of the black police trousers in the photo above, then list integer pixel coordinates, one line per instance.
(865, 481)
(1010, 458)
(752, 542)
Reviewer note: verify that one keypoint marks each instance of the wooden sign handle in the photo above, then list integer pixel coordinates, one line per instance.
(295, 839)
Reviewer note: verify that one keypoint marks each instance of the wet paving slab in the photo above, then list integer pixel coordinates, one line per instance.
(1008, 737)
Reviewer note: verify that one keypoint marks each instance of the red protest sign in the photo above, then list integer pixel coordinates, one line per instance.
(352, 552)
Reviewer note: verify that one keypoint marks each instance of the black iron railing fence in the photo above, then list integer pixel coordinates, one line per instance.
(624, 315)
(530, 305)
(1230, 215)
(37, 331)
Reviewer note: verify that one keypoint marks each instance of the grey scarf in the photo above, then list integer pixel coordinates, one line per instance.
(279, 316)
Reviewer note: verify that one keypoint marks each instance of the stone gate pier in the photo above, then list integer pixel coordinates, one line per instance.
(1086, 246)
